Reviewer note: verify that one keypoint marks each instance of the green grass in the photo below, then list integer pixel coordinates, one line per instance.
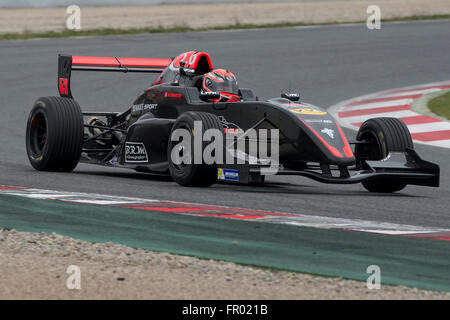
(112, 31)
(440, 105)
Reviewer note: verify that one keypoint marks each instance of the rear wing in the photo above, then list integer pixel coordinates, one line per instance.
(67, 63)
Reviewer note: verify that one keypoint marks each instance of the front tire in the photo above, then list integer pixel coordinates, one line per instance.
(384, 135)
(193, 175)
(55, 133)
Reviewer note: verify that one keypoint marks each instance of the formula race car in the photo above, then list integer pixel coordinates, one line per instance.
(188, 90)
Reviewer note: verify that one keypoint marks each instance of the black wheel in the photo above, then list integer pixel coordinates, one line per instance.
(193, 175)
(384, 135)
(55, 132)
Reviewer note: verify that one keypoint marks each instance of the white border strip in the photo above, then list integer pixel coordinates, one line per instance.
(291, 219)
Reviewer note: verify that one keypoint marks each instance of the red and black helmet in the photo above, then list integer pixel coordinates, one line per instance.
(223, 81)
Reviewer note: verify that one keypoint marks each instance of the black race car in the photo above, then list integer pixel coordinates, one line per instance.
(310, 142)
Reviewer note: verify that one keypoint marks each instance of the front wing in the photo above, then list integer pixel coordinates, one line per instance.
(406, 167)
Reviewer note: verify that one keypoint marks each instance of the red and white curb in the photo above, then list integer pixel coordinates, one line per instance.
(397, 103)
(232, 213)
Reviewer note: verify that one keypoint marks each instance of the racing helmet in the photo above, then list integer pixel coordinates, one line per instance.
(222, 81)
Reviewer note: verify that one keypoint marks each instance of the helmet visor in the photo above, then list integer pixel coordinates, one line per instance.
(228, 85)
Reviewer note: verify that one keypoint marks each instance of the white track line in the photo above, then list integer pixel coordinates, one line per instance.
(407, 93)
(429, 127)
(74, 197)
(362, 118)
(440, 143)
(371, 105)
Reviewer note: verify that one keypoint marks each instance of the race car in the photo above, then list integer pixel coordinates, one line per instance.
(188, 90)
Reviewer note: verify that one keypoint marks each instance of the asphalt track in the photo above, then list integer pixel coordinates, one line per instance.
(326, 64)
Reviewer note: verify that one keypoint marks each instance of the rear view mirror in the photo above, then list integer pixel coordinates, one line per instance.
(209, 95)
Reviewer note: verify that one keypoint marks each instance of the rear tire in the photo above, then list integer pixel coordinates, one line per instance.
(193, 175)
(55, 133)
(385, 135)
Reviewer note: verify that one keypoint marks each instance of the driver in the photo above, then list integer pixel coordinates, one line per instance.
(222, 81)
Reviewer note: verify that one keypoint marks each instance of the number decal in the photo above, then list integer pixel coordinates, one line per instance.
(63, 86)
(184, 57)
(192, 59)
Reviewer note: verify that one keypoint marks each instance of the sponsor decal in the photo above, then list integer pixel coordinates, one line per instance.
(173, 95)
(210, 94)
(299, 108)
(294, 105)
(144, 107)
(329, 132)
(227, 174)
(229, 127)
(135, 152)
(114, 160)
(318, 120)
(308, 111)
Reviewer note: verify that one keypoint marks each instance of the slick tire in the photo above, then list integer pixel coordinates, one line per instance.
(190, 174)
(385, 135)
(54, 136)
